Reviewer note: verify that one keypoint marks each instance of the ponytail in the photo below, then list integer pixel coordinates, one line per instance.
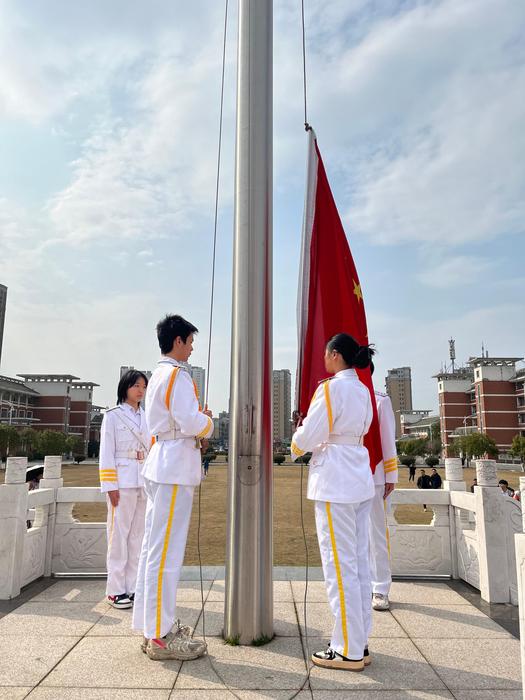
(354, 355)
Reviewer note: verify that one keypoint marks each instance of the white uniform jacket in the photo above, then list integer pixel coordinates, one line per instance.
(174, 420)
(124, 438)
(338, 418)
(386, 471)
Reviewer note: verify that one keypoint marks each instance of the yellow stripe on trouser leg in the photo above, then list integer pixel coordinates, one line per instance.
(111, 528)
(339, 578)
(163, 559)
(387, 531)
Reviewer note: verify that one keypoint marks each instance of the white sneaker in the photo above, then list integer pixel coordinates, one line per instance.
(175, 647)
(380, 601)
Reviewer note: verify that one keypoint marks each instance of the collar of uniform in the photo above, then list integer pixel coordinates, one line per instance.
(169, 360)
(127, 407)
(346, 373)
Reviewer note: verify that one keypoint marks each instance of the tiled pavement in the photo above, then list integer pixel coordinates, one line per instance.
(65, 642)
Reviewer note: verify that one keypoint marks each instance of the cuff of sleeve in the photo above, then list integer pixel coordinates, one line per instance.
(208, 430)
(296, 452)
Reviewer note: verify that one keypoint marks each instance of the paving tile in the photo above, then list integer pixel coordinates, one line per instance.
(380, 695)
(282, 591)
(424, 593)
(285, 620)
(488, 694)
(187, 694)
(51, 619)
(190, 591)
(77, 591)
(38, 658)
(320, 622)
(446, 622)
(278, 665)
(111, 662)
(14, 693)
(396, 665)
(472, 664)
(117, 623)
(42, 693)
(316, 591)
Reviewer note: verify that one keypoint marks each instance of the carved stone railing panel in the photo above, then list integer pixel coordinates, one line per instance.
(513, 524)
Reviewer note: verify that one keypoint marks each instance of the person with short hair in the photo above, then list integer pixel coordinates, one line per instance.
(435, 479)
(341, 485)
(124, 444)
(506, 490)
(171, 472)
(474, 483)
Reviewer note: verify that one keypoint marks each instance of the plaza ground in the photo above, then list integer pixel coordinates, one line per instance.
(63, 641)
(288, 537)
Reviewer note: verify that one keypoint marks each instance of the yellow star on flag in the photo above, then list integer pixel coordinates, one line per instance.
(357, 291)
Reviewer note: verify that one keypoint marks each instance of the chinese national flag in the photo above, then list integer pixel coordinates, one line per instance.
(330, 300)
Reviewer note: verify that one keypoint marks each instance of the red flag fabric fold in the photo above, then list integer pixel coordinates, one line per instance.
(330, 298)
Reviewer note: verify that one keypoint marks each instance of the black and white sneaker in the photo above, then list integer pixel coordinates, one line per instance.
(331, 659)
(121, 601)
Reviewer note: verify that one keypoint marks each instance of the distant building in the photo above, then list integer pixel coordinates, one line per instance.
(125, 368)
(3, 306)
(398, 384)
(63, 403)
(426, 426)
(17, 403)
(223, 429)
(198, 374)
(486, 396)
(409, 418)
(282, 405)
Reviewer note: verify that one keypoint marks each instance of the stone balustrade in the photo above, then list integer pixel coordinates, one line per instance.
(471, 535)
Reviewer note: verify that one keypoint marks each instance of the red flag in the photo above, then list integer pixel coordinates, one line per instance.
(330, 299)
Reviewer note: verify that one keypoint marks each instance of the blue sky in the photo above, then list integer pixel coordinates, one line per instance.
(108, 130)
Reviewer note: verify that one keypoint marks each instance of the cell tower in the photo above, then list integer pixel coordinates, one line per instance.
(452, 352)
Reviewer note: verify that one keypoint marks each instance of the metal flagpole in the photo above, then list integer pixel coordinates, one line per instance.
(248, 613)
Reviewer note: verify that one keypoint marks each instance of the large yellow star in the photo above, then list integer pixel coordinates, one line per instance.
(357, 291)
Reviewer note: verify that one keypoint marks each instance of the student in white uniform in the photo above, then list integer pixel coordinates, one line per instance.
(385, 479)
(124, 443)
(340, 482)
(171, 472)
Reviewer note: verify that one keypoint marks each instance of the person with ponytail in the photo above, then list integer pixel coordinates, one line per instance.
(341, 485)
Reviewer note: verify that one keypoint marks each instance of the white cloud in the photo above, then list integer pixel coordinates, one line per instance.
(455, 271)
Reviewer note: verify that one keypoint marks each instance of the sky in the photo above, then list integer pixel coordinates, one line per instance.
(109, 116)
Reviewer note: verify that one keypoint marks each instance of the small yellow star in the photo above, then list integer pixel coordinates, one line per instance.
(357, 291)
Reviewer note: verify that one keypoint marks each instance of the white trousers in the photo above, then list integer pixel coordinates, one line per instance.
(380, 544)
(343, 532)
(125, 529)
(168, 513)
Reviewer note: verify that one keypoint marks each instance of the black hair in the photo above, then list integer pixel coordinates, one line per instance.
(372, 368)
(503, 481)
(353, 354)
(127, 380)
(172, 327)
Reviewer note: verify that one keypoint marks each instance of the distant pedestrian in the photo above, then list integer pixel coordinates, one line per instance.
(474, 483)
(206, 465)
(412, 472)
(435, 480)
(505, 488)
(424, 482)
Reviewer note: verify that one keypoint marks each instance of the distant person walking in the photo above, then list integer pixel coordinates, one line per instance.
(424, 482)
(206, 465)
(474, 483)
(412, 472)
(435, 480)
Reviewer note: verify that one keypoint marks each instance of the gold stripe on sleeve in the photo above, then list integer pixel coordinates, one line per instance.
(326, 387)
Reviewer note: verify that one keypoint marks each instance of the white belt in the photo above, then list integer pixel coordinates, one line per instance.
(130, 454)
(172, 435)
(345, 440)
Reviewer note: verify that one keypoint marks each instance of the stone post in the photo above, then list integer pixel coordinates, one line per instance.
(492, 535)
(52, 479)
(13, 514)
(454, 482)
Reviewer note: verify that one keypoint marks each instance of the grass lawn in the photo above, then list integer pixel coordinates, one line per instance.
(288, 537)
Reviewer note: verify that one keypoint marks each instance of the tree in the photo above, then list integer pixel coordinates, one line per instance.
(475, 445)
(9, 440)
(51, 442)
(414, 448)
(279, 458)
(75, 445)
(431, 461)
(517, 449)
(28, 440)
(408, 460)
